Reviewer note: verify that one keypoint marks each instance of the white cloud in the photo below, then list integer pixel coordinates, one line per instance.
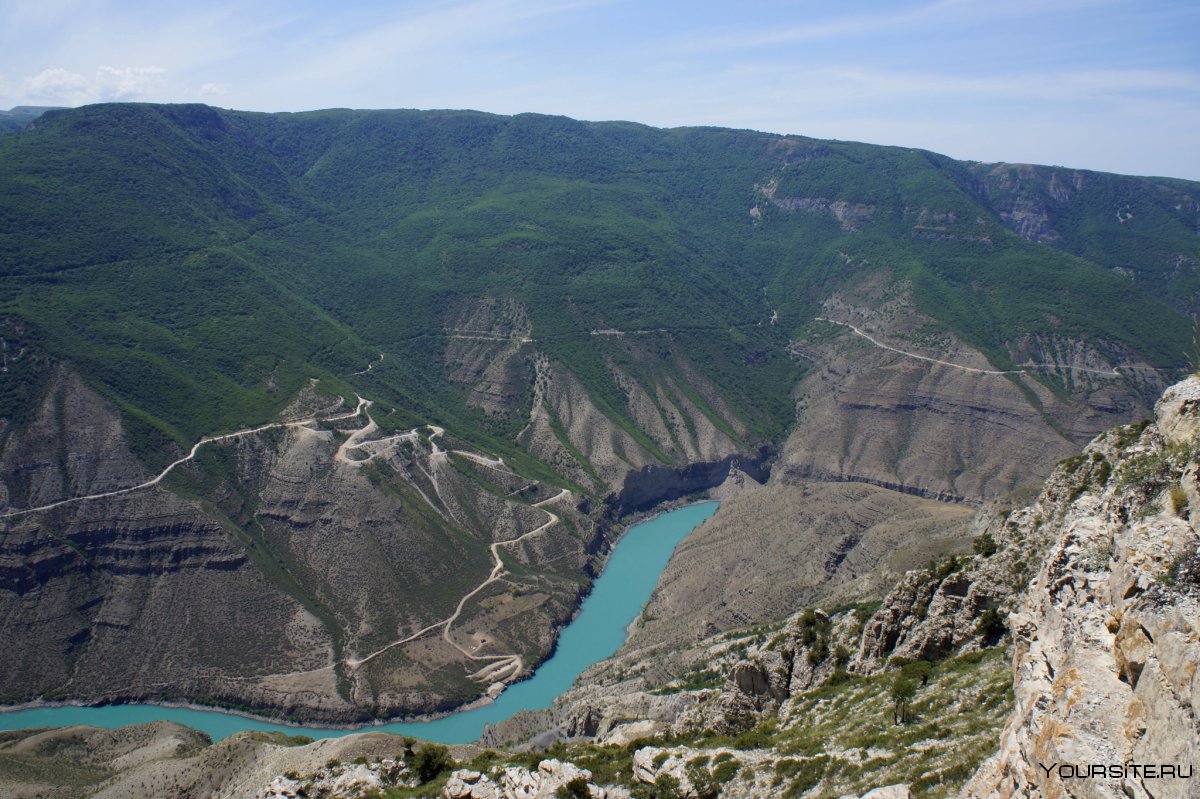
(212, 90)
(56, 85)
(59, 86)
(128, 83)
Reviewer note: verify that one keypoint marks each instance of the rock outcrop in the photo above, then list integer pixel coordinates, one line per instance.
(1107, 637)
(1098, 580)
(515, 782)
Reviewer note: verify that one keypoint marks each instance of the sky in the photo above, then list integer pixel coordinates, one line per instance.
(1112, 85)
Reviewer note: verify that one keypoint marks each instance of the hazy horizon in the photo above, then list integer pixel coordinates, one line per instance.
(1108, 85)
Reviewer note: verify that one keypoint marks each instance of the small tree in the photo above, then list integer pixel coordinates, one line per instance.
(904, 688)
(986, 545)
(918, 671)
(429, 761)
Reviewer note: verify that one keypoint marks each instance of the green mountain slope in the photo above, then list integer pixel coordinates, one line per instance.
(360, 227)
(17, 118)
(585, 301)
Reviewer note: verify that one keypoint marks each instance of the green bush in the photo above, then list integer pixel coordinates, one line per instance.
(665, 787)
(726, 770)
(575, 789)
(431, 760)
(991, 625)
(985, 545)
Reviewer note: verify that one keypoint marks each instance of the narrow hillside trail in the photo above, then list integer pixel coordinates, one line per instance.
(363, 404)
(503, 666)
(352, 440)
(370, 366)
(509, 664)
(499, 667)
(1114, 372)
(483, 335)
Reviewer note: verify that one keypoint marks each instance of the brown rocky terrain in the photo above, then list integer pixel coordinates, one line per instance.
(917, 410)
(1096, 581)
(318, 561)
(775, 547)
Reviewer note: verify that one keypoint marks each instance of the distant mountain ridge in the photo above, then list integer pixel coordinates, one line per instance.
(18, 117)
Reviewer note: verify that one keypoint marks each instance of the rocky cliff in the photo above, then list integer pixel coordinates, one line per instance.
(288, 570)
(1107, 636)
(895, 402)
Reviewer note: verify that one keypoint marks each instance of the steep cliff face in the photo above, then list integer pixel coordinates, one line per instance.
(93, 591)
(1107, 637)
(894, 402)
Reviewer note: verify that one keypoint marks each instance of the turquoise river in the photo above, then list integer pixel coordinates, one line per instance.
(599, 630)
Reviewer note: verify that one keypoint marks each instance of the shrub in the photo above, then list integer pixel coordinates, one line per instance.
(991, 625)
(1130, 433)
(430, 761)
(986, 545)
(940, 571)
(752, 739)
(726, 771)
(575, 789)
(1071, 465)
(1179, 501)
(1184, 571)
(703, 785)
(665, 787)
(808, 775)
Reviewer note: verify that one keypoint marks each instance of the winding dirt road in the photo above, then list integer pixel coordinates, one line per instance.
(507, 663)
(362, 405)
(500, 666)
(1114, 372)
